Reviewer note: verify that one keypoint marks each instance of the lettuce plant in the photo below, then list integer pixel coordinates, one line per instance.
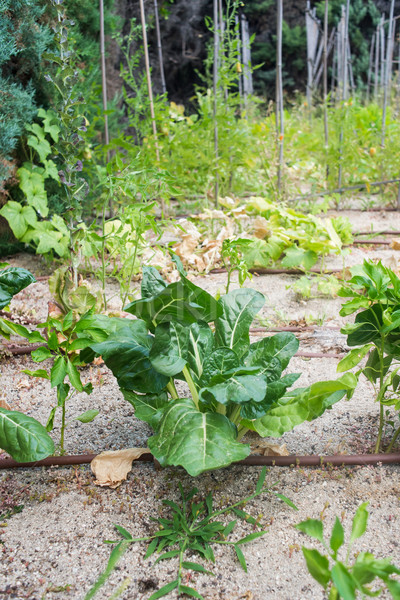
(375, 293)
(234, 385)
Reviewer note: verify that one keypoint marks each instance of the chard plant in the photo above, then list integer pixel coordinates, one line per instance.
(233, 386)
(344, 579)
(24, 438)
(375, 295)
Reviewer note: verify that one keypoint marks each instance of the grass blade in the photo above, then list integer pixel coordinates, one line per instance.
(170, 554)
(151, 548)
(286, 500)
(166, 589)
(196, 567)
(251, 537)
(125, 534)
(261, 480)
(241, 558)
(184, 589)
(115, 556)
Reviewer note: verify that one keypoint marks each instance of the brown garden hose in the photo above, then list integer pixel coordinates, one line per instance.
(336, 460)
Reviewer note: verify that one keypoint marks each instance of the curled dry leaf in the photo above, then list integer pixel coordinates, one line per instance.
(395, 244)
(112, 467)
(4, 404)
(261, 228)
(267, 449)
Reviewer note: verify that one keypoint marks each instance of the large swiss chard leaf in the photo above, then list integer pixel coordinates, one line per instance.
(272, 354)
(126, 352)
(200, 345)
(24, 438)
(301, 404)
(239, 308)
(152, 282)
(148, 407)
(12, 281)
(247, 390)
(196, 441)
(169, 353)
(180, 301)
(217, 364)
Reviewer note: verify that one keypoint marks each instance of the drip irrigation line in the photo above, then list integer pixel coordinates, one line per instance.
(316, 460)
(370, 243)
(320, 354)
(385, 232)
(262, 271)
(341, 189)
(19, 350)
(297, 328)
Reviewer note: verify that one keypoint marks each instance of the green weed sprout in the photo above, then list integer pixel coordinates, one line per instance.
(345, 580)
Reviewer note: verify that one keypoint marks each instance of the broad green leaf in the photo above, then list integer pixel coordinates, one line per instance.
(200, 344)
(239, 308)
(74, 376)
(197, 441)
(301, 404)
(58, 371)
(344, 582)
(299, 257)
(38, 373)
(179, 301)
(148, 407)
(41, 146)
(312, 527)
(152, 282)
(126, 353)
(88, 416)
(360, 521)
(367, 567)
(19, 217)
(371, 323)
(318, 566)
(350, 307)
(353, 358)
(337, 537)
(41, 354)
(12, 281)
(246, 390)
(169, 352)
(272, 354)
(67, 321)
(372, 369)
(217, 364)
(32, 184)
(394, 588)
(23, 437)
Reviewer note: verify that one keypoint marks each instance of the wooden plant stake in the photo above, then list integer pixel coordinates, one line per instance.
(215, 105)
(325, 61)
(388, 72)
(371, 57)
(148, 77)
(159, 48)
(279, 92)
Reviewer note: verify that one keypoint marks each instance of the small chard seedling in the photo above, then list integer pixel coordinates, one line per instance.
(234, 386)
(345, 580)
(192, 528)
(375, 293)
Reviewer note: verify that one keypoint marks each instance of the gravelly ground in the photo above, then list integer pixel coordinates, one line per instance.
(54, 548)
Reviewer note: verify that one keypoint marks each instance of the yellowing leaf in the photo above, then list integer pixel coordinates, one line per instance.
(395, 244)
(112, 467)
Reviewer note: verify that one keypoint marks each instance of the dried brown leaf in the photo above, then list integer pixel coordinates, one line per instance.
(111, 468)
(261, 228)
(267, 449)
(4, 404)
(395, 244)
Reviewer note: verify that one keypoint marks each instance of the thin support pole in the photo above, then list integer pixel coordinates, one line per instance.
(103, 74)
(344, 89)
(371, 58)
(215, 104)
(388, 73)
(148, 77)
(325, 61)
(376, 69)
(280, 91)
(159, 49)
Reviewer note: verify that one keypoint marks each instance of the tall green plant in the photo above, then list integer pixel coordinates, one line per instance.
(375, 296)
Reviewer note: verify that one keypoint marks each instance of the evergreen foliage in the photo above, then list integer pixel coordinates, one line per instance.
(23, 39)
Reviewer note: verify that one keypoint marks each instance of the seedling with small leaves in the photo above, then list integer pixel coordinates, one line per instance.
(343, 579)
(191, 528)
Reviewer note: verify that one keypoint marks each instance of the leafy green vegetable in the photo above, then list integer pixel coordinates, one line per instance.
(23, 438)
(234, 385)
(12, 281)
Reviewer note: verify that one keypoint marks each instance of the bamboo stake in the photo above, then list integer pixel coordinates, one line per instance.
(344, 90)
(371, 56)
(388, 73)
(376, 77)
(325, 61)
(280, 88)
(159, 48)
(382, 30)
(215, 106)
(148, 77)
(240, 75)
(103, 74)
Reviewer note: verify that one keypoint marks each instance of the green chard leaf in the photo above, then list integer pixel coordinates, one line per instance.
(239, 308)
(197, 441)
(12, 281)
(169, 353)
(148, 407)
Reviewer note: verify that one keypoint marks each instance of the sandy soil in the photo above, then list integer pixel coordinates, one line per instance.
(53, 549)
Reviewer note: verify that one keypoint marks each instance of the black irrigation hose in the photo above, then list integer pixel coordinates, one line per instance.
(335, 460)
